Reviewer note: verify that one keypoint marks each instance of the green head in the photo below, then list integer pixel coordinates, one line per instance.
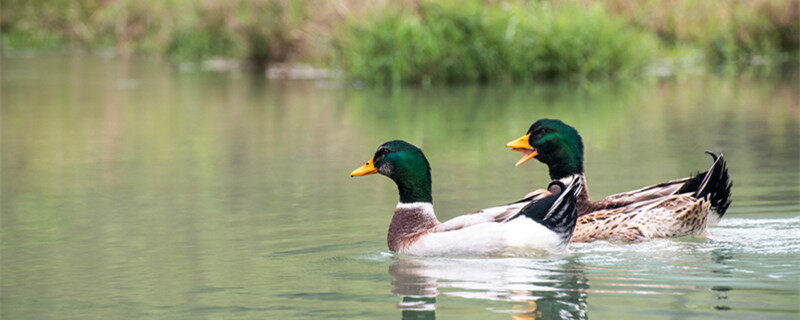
(405, 165)
(555, 144)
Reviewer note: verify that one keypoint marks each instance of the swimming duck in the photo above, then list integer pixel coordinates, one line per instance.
(673, 208)
(542, 225)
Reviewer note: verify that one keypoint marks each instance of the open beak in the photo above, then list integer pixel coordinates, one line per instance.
(367, 168)
(523, 145)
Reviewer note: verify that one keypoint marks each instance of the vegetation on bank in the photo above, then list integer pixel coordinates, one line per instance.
(468, 40)
(418, 40)
(257, 30)
(727, 31)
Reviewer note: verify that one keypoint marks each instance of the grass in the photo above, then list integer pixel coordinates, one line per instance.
(256, 30)
(418, 40)
(470, 41)
(727, 31)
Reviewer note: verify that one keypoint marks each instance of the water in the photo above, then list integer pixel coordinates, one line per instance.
(134, 189)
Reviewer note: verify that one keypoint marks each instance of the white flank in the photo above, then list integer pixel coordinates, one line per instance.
(520, 236)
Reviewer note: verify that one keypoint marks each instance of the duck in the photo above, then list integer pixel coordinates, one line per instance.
(674, 208)
(530, 227)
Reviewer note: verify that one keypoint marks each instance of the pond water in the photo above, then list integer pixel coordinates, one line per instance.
(137, 189)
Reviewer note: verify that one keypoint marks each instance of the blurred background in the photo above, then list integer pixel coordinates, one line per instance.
(189, 159)
(421, 40)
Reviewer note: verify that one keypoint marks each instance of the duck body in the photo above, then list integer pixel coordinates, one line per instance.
(414, 230)
(673, 208)
(663, 217)
(541, 225)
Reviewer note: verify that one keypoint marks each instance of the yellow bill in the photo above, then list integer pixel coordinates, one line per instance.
(526, 157)
(523, 145)
(367, 168)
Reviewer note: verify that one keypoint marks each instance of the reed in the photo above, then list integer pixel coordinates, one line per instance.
(725, 30)
(418, 40)
(473, 41)
(258, 30)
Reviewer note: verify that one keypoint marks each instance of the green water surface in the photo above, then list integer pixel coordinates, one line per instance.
(139, 189)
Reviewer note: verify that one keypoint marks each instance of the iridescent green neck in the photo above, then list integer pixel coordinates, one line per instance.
(564, 163)
(412, 174)
(414, 188)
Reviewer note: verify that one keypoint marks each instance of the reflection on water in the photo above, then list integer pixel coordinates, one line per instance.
(130, 189)
(538, 289)
(722, 257)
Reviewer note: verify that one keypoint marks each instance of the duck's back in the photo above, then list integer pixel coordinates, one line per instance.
(668, 216)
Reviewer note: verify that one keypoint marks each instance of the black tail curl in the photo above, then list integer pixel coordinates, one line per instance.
(558, 212)
(714, 184)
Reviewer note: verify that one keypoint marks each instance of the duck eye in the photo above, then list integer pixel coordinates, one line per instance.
(380, 153)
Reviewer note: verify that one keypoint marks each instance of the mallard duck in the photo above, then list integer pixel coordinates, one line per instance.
(673, 208)
(543, 225)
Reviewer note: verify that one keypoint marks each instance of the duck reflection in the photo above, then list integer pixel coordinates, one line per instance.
(722, 269)
(538, 289)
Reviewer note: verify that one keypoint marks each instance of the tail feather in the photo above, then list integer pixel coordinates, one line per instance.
(714, 184)
(558, 213)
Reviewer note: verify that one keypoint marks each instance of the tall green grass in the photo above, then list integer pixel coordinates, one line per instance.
(418, 40)
(473, 41)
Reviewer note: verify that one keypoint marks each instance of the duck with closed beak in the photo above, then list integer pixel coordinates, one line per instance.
(544, 225)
